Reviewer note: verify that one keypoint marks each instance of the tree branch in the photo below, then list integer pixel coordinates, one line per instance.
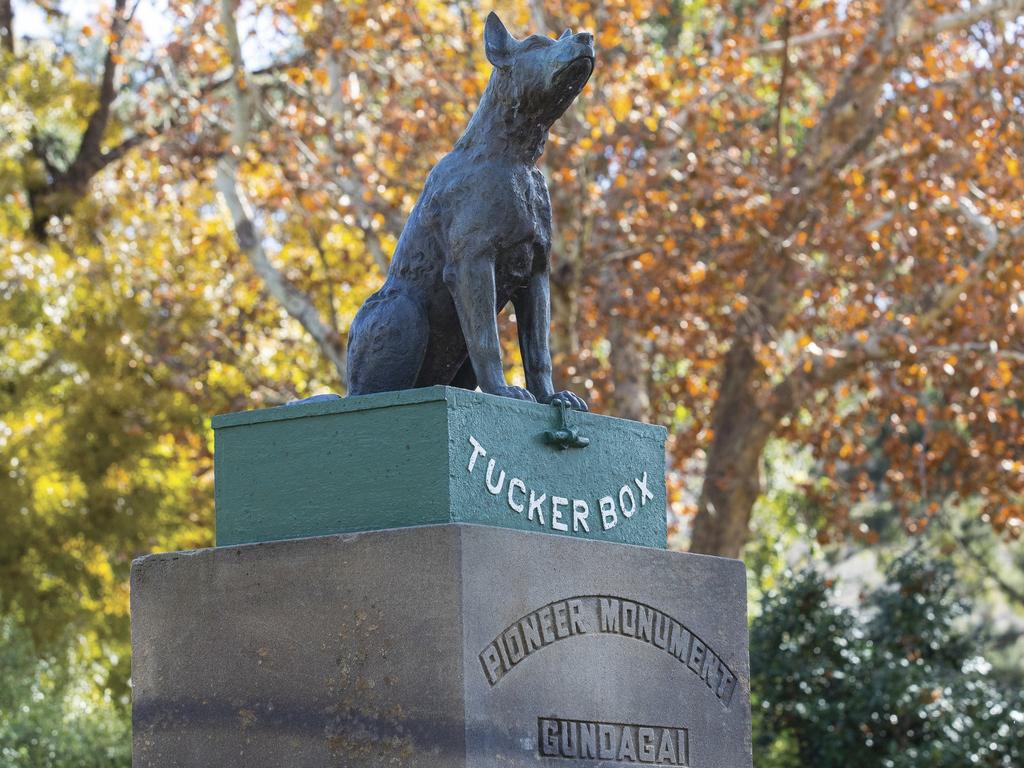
(7, 26)
(952, 22)
(86, 162)
(296, 303)
(795, 41)
(781, 106)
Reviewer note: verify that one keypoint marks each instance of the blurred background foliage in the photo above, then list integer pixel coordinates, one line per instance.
(788, 230)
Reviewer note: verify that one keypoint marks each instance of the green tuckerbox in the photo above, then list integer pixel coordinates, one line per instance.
(435, 455)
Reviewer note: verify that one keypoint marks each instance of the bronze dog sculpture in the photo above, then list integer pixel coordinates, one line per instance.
(478, 238)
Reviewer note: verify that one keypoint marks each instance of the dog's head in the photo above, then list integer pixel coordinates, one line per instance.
(544, 75)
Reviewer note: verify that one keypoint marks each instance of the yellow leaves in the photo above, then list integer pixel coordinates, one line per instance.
(803, 342)
(609, 37)
(651, 123)
(621, 104)
(1013, 166)
(1004, 374)
(698, 219)
(698, 273)
(846, 451)
(321, 77)
(297, 75)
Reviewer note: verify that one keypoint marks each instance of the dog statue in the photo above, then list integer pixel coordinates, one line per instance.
(479, 237)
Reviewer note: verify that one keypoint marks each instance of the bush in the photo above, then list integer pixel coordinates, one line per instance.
(52, 716)
(902, 683)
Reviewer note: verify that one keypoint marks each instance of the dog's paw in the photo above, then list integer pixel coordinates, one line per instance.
(516, 393)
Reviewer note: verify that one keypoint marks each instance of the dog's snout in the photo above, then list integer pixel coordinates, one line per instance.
(585, 37)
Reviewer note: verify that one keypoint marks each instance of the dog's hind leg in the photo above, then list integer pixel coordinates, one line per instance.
(387, 343)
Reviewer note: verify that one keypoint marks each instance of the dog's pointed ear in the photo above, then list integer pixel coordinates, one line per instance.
(498, 43)
(567, 33)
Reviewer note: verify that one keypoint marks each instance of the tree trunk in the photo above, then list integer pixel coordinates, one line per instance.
(7, 26)
(629, 362)
(732, 480)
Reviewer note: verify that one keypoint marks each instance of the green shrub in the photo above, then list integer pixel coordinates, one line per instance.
(901, 683)
(51, 714)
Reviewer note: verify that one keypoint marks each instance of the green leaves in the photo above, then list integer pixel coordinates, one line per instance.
(899, 682)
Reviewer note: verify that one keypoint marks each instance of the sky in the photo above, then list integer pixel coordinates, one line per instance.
(30, 21)
(260, 39)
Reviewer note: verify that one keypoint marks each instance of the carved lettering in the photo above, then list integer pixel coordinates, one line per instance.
(609, 615)
(530, 627)
(621, 742)
(563, 619)
(679, 645)
(579, 626)
(697, 651)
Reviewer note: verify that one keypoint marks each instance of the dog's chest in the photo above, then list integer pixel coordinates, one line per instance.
(528, 228)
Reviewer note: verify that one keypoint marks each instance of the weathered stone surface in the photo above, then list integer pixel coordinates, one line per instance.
(452, 645)
(435, 455)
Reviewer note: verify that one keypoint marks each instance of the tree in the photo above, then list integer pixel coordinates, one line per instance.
(773, 221)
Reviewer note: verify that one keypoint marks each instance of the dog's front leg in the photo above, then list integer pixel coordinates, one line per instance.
(533, 318)
(470, 280)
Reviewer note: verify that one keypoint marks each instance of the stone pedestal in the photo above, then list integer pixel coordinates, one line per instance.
(439, 647)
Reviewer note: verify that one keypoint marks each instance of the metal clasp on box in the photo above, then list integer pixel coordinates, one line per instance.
(565, 436)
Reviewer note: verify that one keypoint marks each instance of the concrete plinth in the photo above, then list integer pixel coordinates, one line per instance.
(450, 645)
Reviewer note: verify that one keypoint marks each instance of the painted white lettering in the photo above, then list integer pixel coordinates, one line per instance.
(645, 493)
(608, 517)
(494, 488)
(580, 513)
(514, 483)
(478, 450)
(625, 492)
(556, 513)
(535, 502)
